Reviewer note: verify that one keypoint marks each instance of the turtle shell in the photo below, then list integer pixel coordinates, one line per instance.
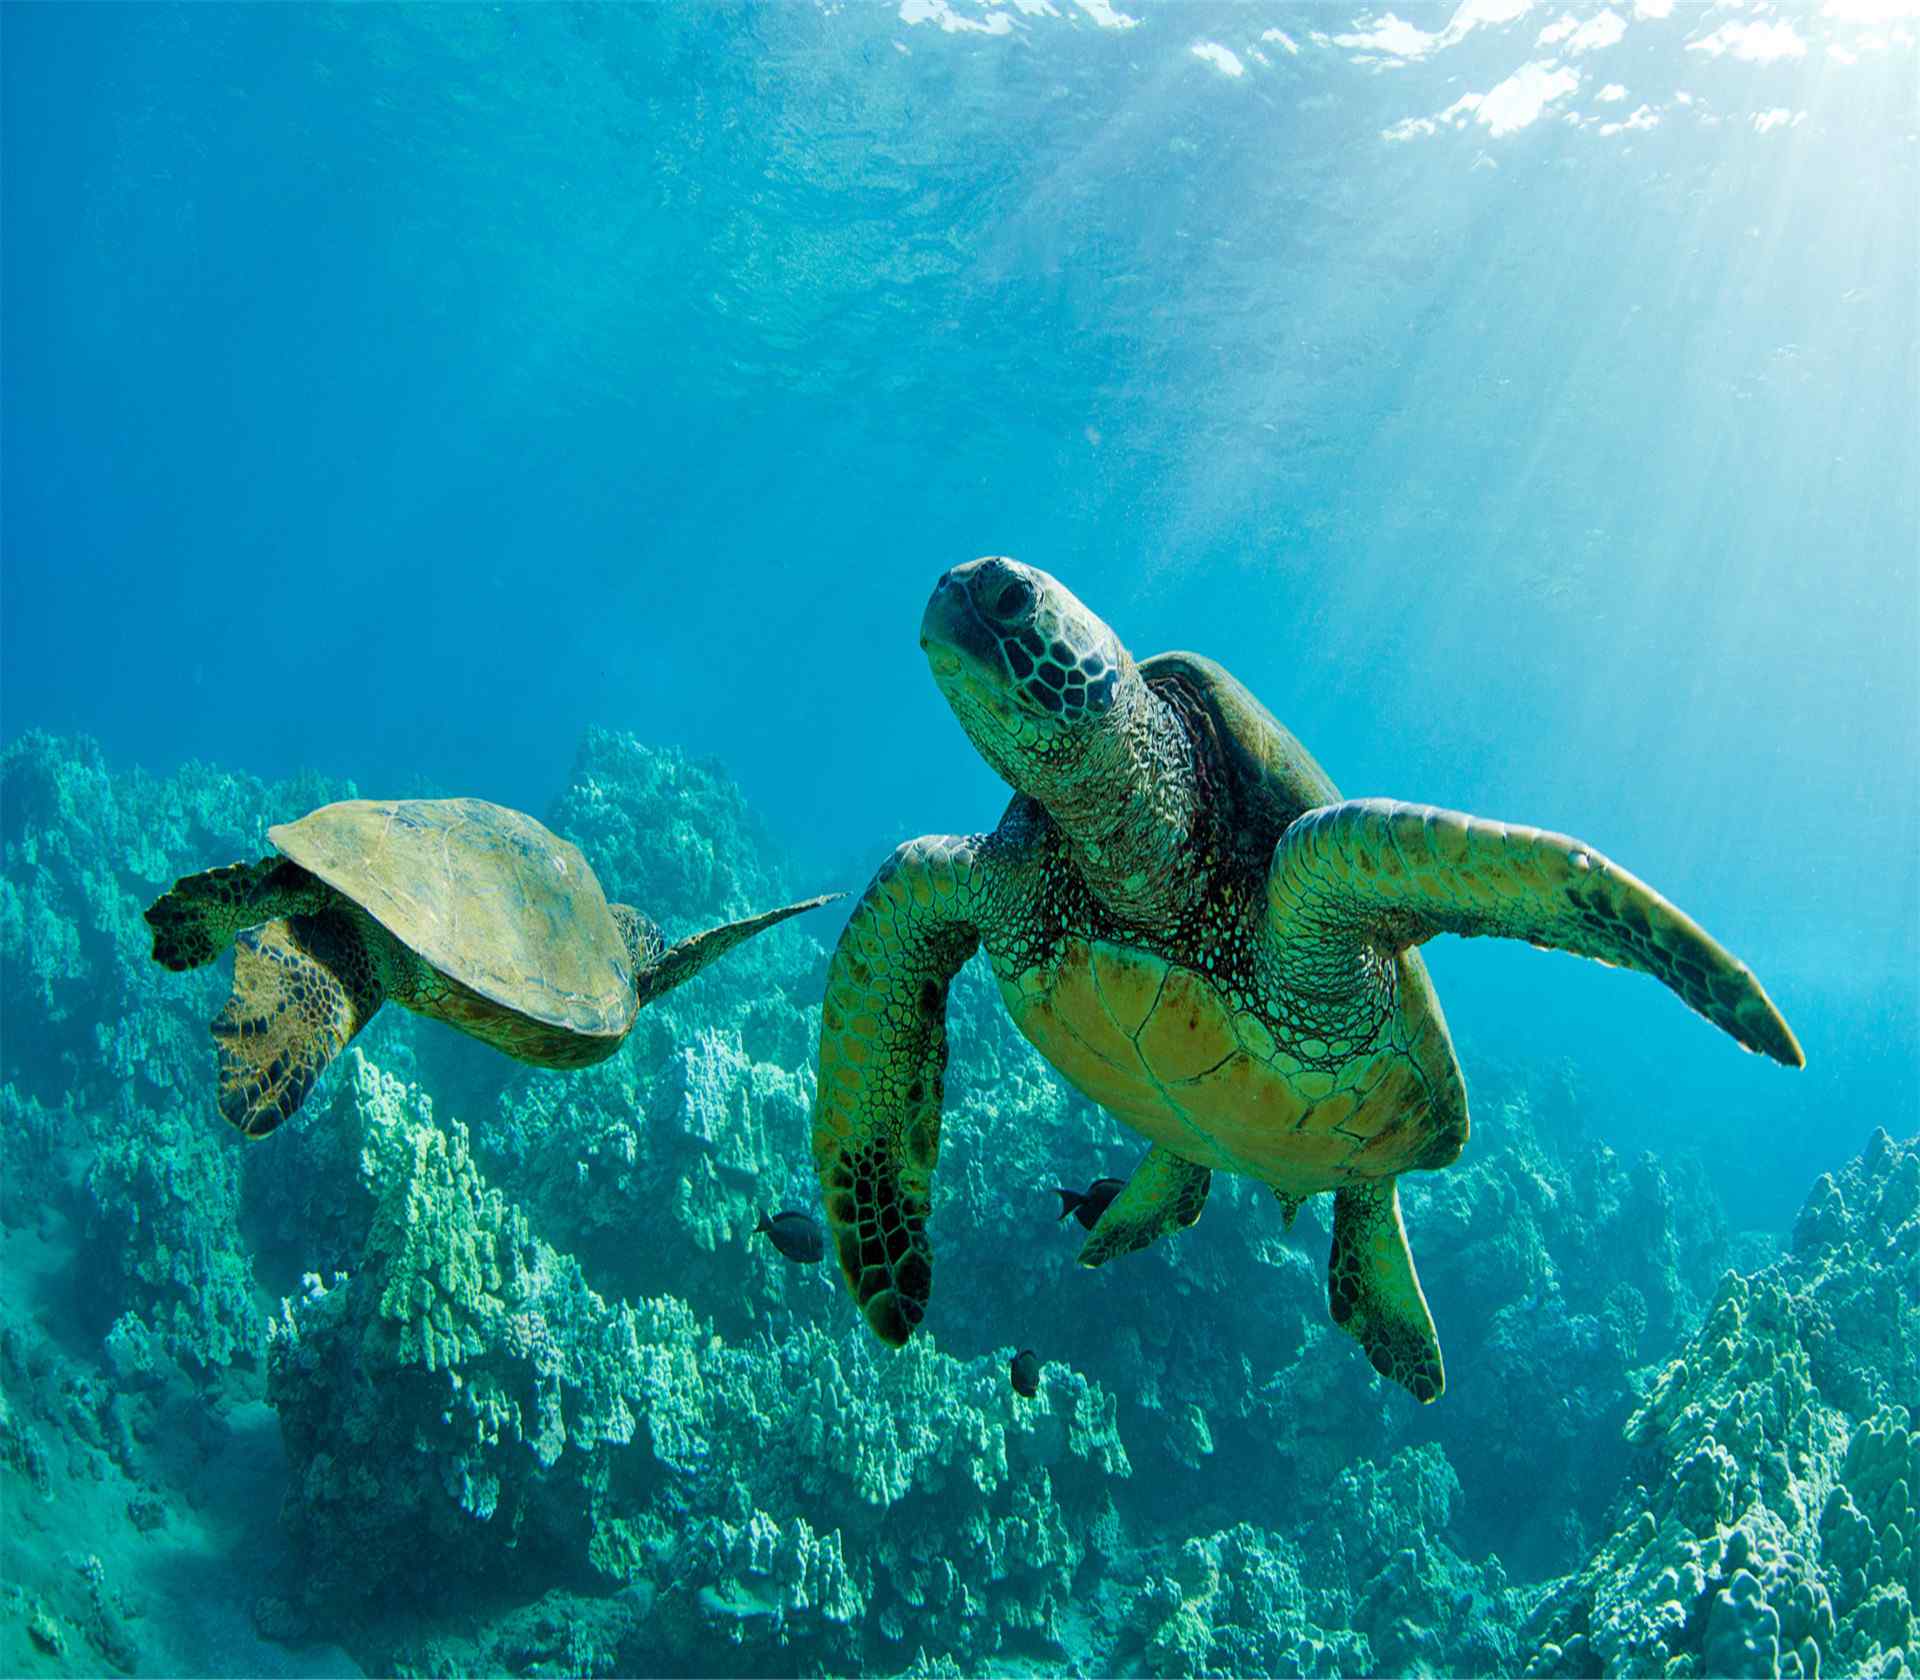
(488, 896)
(1274, 777)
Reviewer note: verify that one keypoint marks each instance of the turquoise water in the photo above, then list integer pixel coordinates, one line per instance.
(1521, 402)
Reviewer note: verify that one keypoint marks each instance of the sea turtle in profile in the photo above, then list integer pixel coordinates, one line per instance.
(1188, 921)
(460, 910)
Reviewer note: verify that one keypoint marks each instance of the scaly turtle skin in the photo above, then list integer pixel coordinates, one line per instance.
(1188, 921)
(460, 910)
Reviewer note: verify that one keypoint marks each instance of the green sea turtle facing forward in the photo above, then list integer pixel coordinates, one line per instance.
(459, 910)
(1187, 920)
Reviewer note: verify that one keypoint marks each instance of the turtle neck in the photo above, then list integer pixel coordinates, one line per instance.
(1129, 808)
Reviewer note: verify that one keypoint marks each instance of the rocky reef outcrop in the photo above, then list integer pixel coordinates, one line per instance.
(1771, 1521)
(463, 1403)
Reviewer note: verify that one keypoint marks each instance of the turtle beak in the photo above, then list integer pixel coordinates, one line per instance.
(952, 634)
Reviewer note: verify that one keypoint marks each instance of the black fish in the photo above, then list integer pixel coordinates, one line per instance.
(1087, 1205)
(797, 1235)
(1025, 1371)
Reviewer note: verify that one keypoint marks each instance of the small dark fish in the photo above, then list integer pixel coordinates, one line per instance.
(1025, 1371)
(797, 1235)
(1087, 1205)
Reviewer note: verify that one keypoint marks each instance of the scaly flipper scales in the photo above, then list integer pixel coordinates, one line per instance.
(1354, 883)
(883, 1056)
(1164, 1195)
(1374, 1291)
(302, 987)
(197, 918)
(680, 963)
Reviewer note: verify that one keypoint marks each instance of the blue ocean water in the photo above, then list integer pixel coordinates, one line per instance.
(1521, 400)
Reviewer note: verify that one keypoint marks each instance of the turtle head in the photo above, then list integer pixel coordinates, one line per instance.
(641, 935)
(1035, 678)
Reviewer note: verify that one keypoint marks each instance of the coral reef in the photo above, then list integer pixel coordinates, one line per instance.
(1769, 1530)
(508, 1331)
(1364, 1586)
(460, 1333)
(1561, 1276)
(549, 1435)
(119, 1049)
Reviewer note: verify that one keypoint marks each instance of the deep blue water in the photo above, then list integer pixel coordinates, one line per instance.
(398, 391)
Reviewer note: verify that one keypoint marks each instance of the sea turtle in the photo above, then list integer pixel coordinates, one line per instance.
(1188, 921)
(457, 909)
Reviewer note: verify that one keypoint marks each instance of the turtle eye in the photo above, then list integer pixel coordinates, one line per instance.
(1015, 596)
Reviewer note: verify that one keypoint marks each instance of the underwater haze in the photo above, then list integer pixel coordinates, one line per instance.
(574, 406)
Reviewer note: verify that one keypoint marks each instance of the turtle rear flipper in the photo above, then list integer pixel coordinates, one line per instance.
(680, 963)
(302, 987)
(197, 919)
(1350, 884)
(1164, 1195)
(1375, 1293)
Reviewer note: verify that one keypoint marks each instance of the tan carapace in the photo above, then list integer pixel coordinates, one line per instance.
(1187, 920)
(460, 910)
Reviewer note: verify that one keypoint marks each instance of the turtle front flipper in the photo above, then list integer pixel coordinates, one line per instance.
(883, 1057)
(199, 916)
(1354, 884)
(1374, 1292)
(302, 987)
(1164, 1195)
(680, 963)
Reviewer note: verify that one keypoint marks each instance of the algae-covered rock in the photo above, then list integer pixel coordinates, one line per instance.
(1770, 1527)
(556, 1633)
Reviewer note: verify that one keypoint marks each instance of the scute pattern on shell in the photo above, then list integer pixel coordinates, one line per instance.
(488, 896)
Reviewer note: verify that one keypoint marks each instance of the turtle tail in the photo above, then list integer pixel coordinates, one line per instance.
(203, 913)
